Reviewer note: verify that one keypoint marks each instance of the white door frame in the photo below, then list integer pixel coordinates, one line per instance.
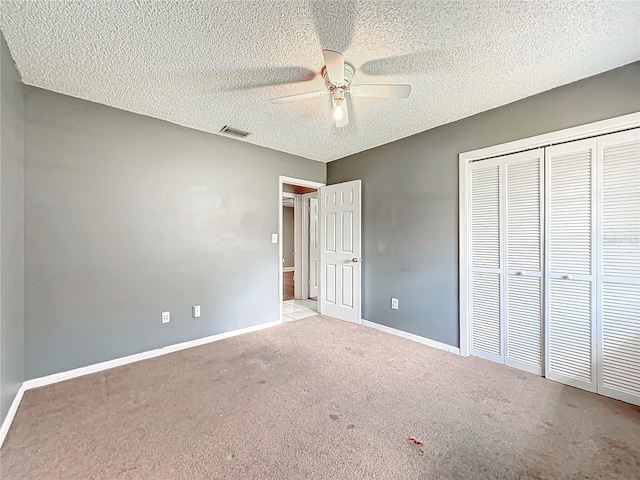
(300, 183)
(603, 127)
(293, 197)
(304, 247)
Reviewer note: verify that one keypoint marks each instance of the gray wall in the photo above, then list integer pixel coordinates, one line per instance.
(410, 197)
(11, 232)
(288, 237)
(127, 216)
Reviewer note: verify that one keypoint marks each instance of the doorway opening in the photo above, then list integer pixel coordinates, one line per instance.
(299, 249)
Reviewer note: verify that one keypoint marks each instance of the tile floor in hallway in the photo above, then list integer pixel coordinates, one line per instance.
(298, 309)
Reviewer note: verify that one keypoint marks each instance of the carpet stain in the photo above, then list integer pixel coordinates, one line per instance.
(262, 382)
(572, 405)
(350, 426)
(620, 452)
(334, 417)
(494, 395)
(417, 442)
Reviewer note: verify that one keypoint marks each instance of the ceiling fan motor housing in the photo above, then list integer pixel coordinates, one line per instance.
(349, 70)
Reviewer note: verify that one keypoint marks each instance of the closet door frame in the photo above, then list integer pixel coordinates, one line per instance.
(611, 125)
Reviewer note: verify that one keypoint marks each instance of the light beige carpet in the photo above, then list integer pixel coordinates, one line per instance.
(319, 398)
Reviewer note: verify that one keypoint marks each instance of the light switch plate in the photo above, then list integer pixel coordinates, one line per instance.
(166, 317)
(394, 303)
(274, 238)
(195, 311)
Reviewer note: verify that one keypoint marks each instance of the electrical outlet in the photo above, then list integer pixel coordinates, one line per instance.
(195, 311)
(166, 317)
(394, 303)
(274, 238)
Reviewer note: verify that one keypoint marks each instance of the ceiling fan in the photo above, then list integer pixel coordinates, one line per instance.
(337, 77)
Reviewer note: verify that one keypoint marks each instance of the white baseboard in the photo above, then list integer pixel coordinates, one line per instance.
(4, 428)
(288, 269)
(411, 336)
(99, 367)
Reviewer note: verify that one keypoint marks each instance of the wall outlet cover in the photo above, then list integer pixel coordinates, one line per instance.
(394, 303)
(274, 238)
(195, 311)
(166, 317)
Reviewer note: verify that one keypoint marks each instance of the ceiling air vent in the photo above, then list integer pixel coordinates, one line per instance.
(234, 132)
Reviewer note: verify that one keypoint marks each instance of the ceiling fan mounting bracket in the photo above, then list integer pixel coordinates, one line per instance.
(349, 70)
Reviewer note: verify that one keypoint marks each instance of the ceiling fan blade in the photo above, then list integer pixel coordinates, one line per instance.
(210, 81)
(432, 61)
(381, 90)
(335, 66)
(300, 96)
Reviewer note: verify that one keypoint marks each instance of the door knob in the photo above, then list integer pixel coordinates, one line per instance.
(567, 277)
(355, 260)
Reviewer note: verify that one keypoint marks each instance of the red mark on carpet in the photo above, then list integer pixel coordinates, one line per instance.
(417, 442)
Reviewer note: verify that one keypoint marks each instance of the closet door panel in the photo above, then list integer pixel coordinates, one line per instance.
(621, 205)
(486, 332)
(485, 254)
(523, 197)
(620, 358)
(619, 266)
(485, 215)
(570, 208)
(570, 261)
(570, 333)
(524, 325)
(523, 239)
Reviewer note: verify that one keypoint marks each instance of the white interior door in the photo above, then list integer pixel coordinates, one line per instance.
(619, 266)
(570, 264)
(314, 248)
(340, 251)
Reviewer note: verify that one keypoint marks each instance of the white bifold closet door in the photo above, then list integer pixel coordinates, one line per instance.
(592, 286)
(524, 207)
(485, 302)
(506, 205)
(618, 258)
(570, 280)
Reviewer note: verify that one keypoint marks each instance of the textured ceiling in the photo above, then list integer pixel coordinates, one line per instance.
(209, 64)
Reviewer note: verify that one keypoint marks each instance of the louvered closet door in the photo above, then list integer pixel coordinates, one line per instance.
(485, 304)
(570, 264)
(523, 182)
(619, 266)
